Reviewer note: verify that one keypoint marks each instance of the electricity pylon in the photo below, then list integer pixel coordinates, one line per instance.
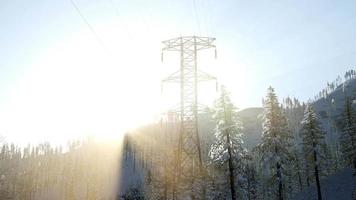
(190, 172)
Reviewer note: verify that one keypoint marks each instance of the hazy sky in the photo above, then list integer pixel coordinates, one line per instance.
(59, 79)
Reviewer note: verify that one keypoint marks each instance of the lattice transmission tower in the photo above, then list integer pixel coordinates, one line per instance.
(190, 169)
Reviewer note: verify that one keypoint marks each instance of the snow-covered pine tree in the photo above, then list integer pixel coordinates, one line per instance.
(275, 145)
(348, 136)
(227, 152)
(294, 111)
(297, 168)
(313, 141)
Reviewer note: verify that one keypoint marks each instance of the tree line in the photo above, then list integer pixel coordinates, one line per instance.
(81, 170)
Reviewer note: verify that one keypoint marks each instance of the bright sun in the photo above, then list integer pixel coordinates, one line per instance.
(75, 88)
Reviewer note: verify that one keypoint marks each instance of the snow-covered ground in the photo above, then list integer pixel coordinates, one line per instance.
(339, 186)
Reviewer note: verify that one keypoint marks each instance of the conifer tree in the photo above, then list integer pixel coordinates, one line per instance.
(227, 151)
(251, 176)
(313, 141)
(348, 136)
(274, 148)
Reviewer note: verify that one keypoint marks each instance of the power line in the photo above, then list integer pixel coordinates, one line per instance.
(99, 40)
(207, 19)
(118, 14)
(148, 14)
(196, 15)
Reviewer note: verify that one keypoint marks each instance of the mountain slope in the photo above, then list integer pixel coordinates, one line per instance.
(331, 108)
(252, 126)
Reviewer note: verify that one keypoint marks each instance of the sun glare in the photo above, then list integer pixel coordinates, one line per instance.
(73, 89)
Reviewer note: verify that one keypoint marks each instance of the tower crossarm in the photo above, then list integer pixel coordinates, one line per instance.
(176, 44)
(201, 76)
(174, 77)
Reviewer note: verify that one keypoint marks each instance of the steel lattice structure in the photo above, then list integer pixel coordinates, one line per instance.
(190, 167)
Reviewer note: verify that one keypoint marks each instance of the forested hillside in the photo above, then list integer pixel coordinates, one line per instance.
(259, 172)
